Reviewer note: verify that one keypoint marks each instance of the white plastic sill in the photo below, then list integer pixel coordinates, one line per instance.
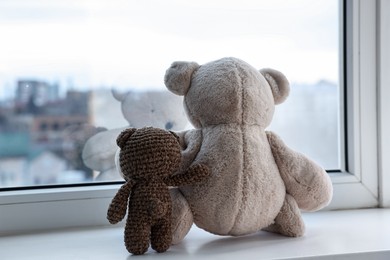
(350, 234)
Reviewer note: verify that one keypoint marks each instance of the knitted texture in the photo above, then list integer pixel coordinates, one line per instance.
(148, 158)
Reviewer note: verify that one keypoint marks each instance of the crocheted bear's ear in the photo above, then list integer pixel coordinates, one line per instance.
(279, 84)
(124, 136)
(178, 76)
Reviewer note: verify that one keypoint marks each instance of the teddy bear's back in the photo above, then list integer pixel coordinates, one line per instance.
(144, 195)
(245, 191)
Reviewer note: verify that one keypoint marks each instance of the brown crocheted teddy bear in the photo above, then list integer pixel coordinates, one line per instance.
(148, 158)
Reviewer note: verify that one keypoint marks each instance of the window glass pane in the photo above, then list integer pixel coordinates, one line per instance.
(75, 70)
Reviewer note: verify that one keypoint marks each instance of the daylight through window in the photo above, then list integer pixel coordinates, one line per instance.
(73, 74)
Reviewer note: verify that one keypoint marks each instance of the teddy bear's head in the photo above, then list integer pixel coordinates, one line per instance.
(154, 108)
(148, 152)
(227, 91)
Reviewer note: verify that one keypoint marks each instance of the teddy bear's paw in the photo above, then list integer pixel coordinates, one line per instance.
(161, 235)
(198, 172)
(137, 245)
(160, 247)
(289, 221)
(137, 250)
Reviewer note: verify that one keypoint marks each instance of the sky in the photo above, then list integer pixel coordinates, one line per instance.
(130, 43)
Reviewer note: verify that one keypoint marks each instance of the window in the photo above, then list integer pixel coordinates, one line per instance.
(63, 63)
(357, 184)
(356, 178)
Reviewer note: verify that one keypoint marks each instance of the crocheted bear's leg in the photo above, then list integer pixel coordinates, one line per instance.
(289, 221)
(137, 236)
(182, 217)
(161, 235)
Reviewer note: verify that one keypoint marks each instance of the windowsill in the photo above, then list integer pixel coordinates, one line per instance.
(349, 234)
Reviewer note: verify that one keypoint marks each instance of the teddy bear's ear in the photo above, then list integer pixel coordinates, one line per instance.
(178, 76)
(124, 136)
(279, 84)
(118, 95)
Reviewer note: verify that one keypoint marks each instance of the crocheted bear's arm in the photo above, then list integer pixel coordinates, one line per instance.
(195, 173)
(118, 206)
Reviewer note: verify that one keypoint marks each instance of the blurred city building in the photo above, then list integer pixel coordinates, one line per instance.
(35, 144)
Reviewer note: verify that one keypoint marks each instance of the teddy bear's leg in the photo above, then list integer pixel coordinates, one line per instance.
(137, 236)
(289, 221)
(161, 235)
(182, 217)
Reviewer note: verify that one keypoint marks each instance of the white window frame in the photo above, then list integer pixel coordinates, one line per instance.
(383, 100)
(359, 185)
(365, 182)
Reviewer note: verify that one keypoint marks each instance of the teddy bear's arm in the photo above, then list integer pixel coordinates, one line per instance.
(190, 142)
(118, 206)
(195, 173)
(306, 181)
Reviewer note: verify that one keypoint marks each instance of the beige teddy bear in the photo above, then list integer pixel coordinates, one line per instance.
(257, 182)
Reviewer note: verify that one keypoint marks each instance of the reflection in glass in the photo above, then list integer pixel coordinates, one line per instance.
(73, 74)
